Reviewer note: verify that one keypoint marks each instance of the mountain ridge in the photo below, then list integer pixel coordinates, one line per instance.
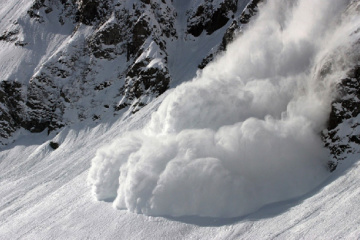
(130, 39)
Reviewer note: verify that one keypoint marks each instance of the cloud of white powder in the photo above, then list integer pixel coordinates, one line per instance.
(246, 131)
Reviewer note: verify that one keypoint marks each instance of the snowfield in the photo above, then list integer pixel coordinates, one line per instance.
(234, 153)
(44, 195)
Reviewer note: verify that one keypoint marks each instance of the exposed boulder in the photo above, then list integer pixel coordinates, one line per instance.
(54, 145)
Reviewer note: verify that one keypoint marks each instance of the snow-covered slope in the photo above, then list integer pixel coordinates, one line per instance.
(236, 153)
(71, 61)
(44, 195)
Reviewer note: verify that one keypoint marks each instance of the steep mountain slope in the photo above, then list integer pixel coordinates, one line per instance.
(245, 132)
(44, 195)
(71, 61)
(237, 152)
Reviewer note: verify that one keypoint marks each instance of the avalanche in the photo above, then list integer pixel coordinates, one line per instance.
(240, 139)
(245, 132)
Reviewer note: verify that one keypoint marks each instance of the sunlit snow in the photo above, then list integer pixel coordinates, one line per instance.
(244, 133)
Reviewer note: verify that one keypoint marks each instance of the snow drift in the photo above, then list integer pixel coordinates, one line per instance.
(246, 131)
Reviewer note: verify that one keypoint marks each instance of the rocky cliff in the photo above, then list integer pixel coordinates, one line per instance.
(111, 56)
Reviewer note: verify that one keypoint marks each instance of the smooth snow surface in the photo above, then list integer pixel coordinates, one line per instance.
(245, 132)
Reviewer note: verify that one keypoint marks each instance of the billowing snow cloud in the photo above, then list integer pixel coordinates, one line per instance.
(245, 132)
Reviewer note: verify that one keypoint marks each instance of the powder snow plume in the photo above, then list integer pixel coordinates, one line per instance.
(246, 131)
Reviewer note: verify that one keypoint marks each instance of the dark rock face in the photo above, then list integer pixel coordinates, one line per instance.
(33, 11)
(90, 11)
(103, 43)
(342, 135)
(142, 81)
(235, 27)
(343, 110)
(208, 18)
(229, 35)
(11, 107)
(227, 38)
(250, 11)
(111, 35)
(347, 106)
(43, 106)
(33, 108)
(140, 33)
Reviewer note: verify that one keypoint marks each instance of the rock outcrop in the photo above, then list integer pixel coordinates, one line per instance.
(342, 136)
(235, 28)
(210, 16)
(343, 133)
(115, 59)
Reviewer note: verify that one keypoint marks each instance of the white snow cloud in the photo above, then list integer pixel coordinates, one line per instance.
(245, 132)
